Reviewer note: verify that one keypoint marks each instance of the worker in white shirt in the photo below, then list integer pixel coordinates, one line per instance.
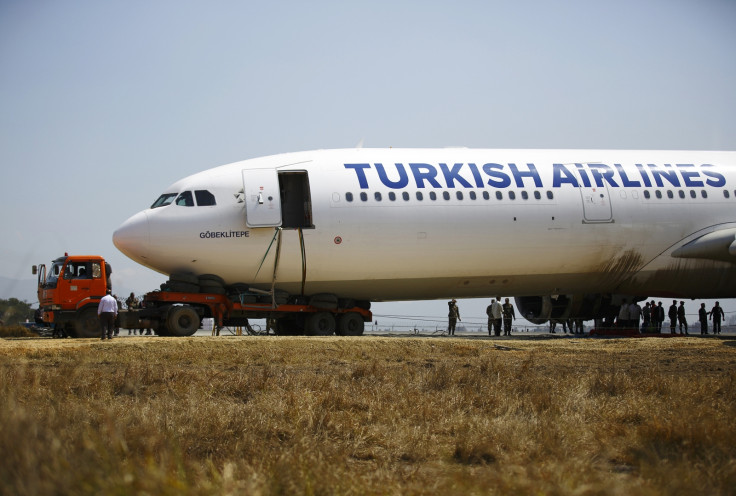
(107, 310)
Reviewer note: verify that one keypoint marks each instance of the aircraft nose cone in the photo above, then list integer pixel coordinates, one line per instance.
(133, 237)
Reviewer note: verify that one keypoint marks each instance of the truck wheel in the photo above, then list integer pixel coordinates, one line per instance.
(350, 324)
(86, 324)
(182, 321)
(320, 324)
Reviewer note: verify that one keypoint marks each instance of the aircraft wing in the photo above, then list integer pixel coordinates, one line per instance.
(718, 245)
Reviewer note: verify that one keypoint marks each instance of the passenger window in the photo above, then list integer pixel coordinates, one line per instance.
(459, 195)
(693, 194)
(472, 195)
(185, 199)
(499, 195)
(405, 196)
(646, 194)
(204, 198)
(725, 193)
(704, 194)
(349, 197)
(658, 194)
(364, 196)
(486, 195)
(681, 193)
(669, 194)
(512, 195)
(420, 197)
(537, 195)
(525, 195)
(377, 196)
(432, 195)
(392, 196)
(445, 195)
(550, 195)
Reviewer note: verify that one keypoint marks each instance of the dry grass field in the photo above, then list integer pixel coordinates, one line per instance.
(370, 415)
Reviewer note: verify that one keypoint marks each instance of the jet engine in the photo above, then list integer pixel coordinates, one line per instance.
(540, 309)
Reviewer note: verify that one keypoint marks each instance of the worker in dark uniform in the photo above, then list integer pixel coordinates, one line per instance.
(131, 302)
(681, 319)
(660, 316)
(716, 313)
(703, 319)
(489, 313)
(452, 316)
(508, 316)
(672, 314)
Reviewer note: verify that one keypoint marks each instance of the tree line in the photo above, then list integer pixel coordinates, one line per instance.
(14, 311)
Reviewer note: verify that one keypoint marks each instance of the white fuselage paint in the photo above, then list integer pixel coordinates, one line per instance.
(579, 222)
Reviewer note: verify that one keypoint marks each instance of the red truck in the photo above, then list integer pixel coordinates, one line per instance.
(70, 289)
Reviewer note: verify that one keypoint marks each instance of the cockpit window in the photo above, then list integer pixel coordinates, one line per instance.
(185, 199)
(204, 198)
(164, 200)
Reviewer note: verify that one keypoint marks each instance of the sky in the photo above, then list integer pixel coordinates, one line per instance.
(105, 104)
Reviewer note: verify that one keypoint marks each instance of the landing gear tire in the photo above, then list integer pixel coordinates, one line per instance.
(182, 321)
(87, 325)
(184, 277)
(320, 324)
(350, 324)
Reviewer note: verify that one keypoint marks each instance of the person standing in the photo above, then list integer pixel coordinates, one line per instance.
(453, 316)
(634, 315)
(646, 315)
(623, 314)
(703, 319)
(508, 316)
(132, 303)
(107, 310)
(681, 319)
(660, 316)
(489, 312)
(497, 312)
(672, 314)
(716, 313)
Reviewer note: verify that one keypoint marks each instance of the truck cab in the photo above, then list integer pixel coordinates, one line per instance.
(69, 291)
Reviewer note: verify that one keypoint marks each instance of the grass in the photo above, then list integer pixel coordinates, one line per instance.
(370, 415)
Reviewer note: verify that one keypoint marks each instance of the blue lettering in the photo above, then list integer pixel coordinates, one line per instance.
(400, 183)
(687, 176)
(601, 172)
(519, 175)
(502, 180)
(625, 181)
(424, 172)
(476, 175)
(720, 180)
(670, 175)
(583, 175)
(561, 174)
(452, 175)
(358, 168)
(644, 175)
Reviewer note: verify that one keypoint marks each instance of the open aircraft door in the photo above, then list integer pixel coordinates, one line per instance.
(262, 198)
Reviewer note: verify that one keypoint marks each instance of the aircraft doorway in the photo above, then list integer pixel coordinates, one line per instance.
(296, 201)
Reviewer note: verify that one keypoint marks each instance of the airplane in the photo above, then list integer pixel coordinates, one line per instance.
(568, 233)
